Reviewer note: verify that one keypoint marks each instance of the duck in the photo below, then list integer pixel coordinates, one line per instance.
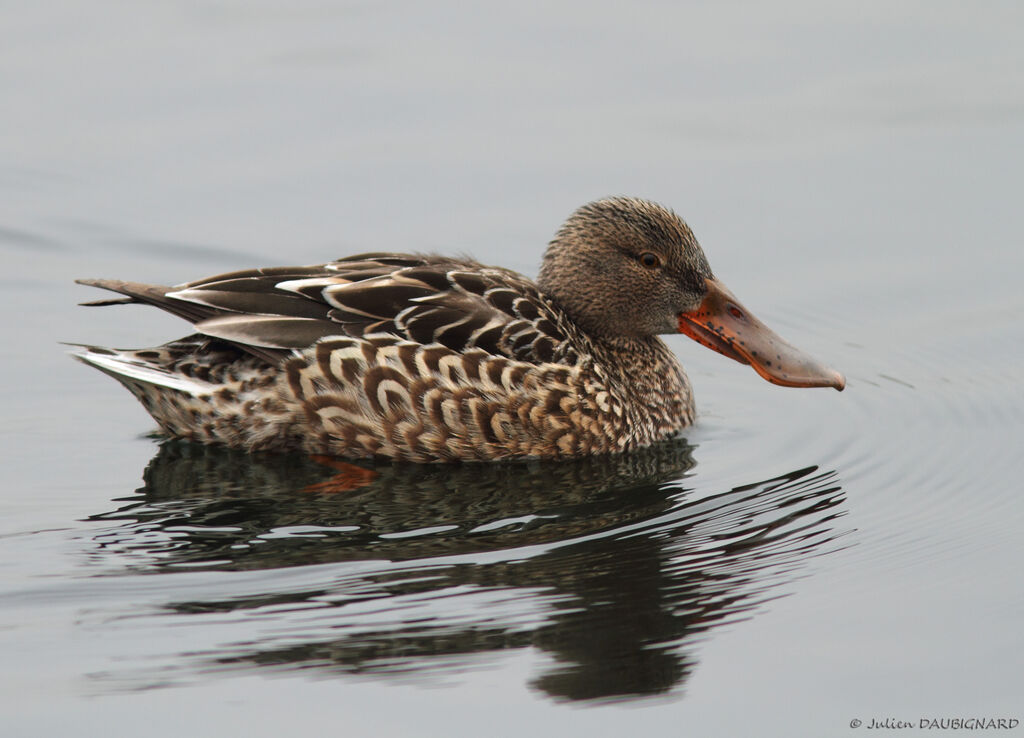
(427, 358)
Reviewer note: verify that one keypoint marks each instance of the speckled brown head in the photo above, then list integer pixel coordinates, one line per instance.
(628, 268)
(624, 267)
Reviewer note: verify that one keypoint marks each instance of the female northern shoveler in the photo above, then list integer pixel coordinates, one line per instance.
(427, 358)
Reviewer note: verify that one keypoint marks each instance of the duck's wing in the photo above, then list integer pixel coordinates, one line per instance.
(427, 299)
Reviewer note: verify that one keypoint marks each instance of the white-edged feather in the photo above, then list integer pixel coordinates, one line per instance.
(123, 365)
(297, 285)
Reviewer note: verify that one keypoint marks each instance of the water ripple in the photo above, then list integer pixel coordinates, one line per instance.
(921, 430)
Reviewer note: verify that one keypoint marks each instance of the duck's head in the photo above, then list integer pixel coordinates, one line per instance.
(629, 268)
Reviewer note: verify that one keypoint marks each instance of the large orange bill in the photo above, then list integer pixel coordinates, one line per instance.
(722, 324)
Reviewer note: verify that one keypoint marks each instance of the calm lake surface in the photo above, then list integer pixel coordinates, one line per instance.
(800, 560)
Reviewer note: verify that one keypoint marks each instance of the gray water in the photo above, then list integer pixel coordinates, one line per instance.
(802, 560)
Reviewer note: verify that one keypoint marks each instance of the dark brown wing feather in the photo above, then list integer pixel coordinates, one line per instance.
(458, 304)
(427, 299)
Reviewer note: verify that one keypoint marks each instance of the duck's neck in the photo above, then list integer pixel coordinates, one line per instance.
(650, 381)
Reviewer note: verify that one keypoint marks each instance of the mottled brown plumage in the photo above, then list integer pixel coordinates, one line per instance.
(426, 358)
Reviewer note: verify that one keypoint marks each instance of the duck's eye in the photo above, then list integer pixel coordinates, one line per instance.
(650, 260)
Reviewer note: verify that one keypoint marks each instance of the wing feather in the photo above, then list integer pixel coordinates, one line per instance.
(459, 304)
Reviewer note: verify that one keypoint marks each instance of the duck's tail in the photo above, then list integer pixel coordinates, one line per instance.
(144, 369)
(146, 294)
(202, 390)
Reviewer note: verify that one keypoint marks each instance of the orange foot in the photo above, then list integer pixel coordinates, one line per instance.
(348, 478)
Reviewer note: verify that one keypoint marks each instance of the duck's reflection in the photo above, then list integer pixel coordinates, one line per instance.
(609, 565)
